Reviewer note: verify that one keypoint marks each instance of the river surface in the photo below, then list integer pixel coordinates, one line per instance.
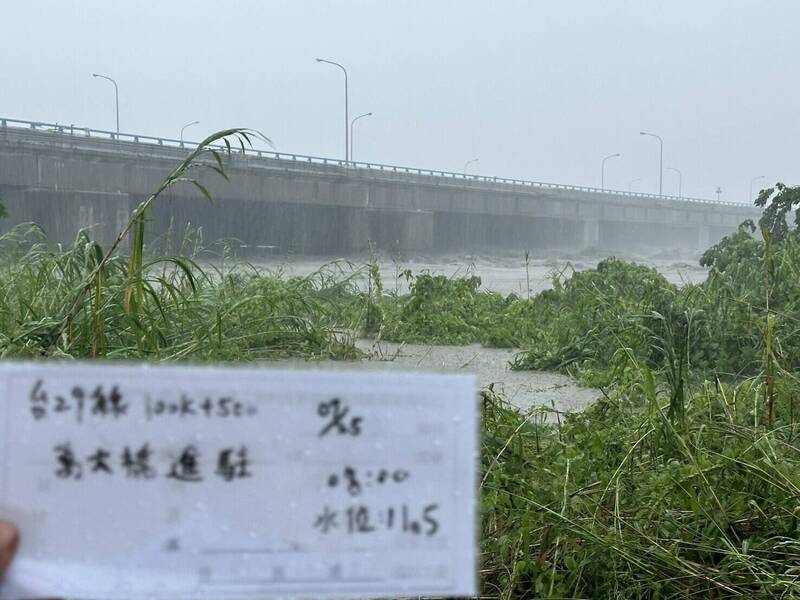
(523, 389)
(502, 274)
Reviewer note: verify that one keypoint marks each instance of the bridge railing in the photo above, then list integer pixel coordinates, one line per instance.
(86, 132)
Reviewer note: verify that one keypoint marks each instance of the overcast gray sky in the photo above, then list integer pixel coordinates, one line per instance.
(537, 90)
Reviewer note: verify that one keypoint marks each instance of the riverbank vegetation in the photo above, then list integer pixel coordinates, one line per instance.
(682, 480)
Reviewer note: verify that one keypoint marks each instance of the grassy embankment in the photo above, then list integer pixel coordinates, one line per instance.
(682, 480)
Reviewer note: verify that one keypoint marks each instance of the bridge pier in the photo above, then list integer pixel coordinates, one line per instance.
(703, 237)
(591, 235)
(398, 230)
(63, 213)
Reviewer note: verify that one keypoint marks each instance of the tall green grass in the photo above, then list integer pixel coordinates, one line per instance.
(683, 479)
(180, 310)
(94, 302)
(623, 501)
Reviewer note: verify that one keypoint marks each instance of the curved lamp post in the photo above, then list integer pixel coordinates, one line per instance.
(346, 110)
(603, 169)
(468, 163)
(660, 159)
(185, 126)
(369, 114)
(116, 94)
(632, 181)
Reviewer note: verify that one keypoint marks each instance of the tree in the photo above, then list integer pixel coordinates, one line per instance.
(779, 202)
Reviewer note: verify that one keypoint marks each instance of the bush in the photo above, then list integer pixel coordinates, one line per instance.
(621, 501)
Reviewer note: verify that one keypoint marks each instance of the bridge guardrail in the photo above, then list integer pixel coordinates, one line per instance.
(86, 132)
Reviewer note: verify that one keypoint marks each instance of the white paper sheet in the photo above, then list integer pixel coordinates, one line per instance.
(166, 482)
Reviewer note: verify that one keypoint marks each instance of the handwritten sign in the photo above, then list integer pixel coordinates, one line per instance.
(167, 482)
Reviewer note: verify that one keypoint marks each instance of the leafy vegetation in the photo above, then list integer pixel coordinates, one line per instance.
(683, 480)
(182, 310)
(91, 302)
(593, 322)
(626, 501)
(440, 310)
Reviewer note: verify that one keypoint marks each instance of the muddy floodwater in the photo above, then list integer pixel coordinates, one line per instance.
(524, 389)
(502, 274)
(505, 275)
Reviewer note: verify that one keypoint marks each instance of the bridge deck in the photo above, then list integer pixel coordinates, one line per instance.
(421, 207)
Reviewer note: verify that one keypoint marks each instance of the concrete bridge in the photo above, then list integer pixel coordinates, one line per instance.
(66, 178)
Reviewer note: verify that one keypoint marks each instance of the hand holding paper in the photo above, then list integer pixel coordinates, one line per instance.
(9, 540)
(177, 482)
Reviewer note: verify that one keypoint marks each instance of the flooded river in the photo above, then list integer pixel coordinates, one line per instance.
(505, 275)
(502, 274)
(523, 389)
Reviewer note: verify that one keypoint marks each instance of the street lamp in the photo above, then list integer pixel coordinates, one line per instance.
(660, 159)
(680, 179)
(369, 114)
(603, 170)
(346, 112)
(467, 164)
(185, 126)
(752, 181)
(632, 181)
(116, 94)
